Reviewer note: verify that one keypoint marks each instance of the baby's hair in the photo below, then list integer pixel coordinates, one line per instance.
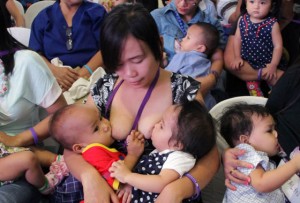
(55, 126)
(195, 129)
(237, 120)
(274, 12)
(211, 36)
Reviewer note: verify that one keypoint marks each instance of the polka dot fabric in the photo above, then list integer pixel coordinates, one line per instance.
(257, 45)
(151, 165)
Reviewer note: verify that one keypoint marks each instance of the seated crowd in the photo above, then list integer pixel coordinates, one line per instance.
(143, 132)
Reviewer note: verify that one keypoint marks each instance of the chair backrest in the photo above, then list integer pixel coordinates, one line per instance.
(20, 7)
(21, 34)
(217, 110)
(215, 190)
(34, 9)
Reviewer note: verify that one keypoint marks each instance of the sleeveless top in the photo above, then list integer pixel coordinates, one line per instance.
(257, 46)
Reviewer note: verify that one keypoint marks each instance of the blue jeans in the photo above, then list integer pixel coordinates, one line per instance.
(19, 192)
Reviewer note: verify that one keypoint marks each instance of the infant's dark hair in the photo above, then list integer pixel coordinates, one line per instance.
(237, 120)
(195, 129)
(211, 35)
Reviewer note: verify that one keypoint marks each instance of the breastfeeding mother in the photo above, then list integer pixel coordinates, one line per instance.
(133, 95)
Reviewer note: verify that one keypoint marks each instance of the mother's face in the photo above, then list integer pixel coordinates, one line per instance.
(186, 7)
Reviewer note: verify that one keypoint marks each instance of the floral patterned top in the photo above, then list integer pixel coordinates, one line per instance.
(184, 88)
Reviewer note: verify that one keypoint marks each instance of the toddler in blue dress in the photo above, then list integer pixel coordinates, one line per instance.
(258, 41)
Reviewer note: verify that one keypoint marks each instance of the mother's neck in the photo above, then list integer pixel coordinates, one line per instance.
(68, 10)
(188, 16)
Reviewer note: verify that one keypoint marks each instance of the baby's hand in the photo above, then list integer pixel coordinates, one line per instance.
(119, 171)
(237, 63)
(295, 152)
(269, 72)
(107, 5)
(295, 158)
(125, 193)
(135, 143)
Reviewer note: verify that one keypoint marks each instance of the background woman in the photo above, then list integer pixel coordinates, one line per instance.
(69, 30)
(26, 84)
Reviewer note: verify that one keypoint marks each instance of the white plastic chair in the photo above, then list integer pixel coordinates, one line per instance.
(34, 9)
(21, 34)
(217, 110)
(215, 190)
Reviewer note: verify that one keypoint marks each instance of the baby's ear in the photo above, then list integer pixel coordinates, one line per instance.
(78, 148)
(201, 48)
(244, 139)
(178, 146)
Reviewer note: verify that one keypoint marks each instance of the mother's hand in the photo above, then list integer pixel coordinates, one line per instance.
(231, 162)
(96, 192)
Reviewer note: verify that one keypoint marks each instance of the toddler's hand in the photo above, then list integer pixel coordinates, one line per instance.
(237, 63)
(135, 143)
(119, 171)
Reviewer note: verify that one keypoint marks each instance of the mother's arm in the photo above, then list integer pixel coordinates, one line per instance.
(209, 81)
(183, 188)
(25, 138)
(15, 13)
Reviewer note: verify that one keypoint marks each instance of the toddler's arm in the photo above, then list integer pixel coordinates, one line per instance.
(238, 61)
(149, 183)
(270, 71)
(267, 181)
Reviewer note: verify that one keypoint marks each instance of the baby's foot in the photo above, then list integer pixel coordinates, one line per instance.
(47, 188)
(58, 170)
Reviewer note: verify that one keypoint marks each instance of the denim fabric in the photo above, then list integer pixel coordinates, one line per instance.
(169, 28)
(19, 192)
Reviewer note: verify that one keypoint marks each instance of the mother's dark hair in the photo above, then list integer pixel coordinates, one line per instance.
(7, 42)
(124, 20)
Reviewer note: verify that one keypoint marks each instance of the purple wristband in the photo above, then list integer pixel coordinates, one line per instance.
(34, 136)
(198, 190)
(259, 74)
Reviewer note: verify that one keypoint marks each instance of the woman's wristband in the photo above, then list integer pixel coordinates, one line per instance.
(259, 74)
(34, 136)
(88, 68)
(197, 187)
